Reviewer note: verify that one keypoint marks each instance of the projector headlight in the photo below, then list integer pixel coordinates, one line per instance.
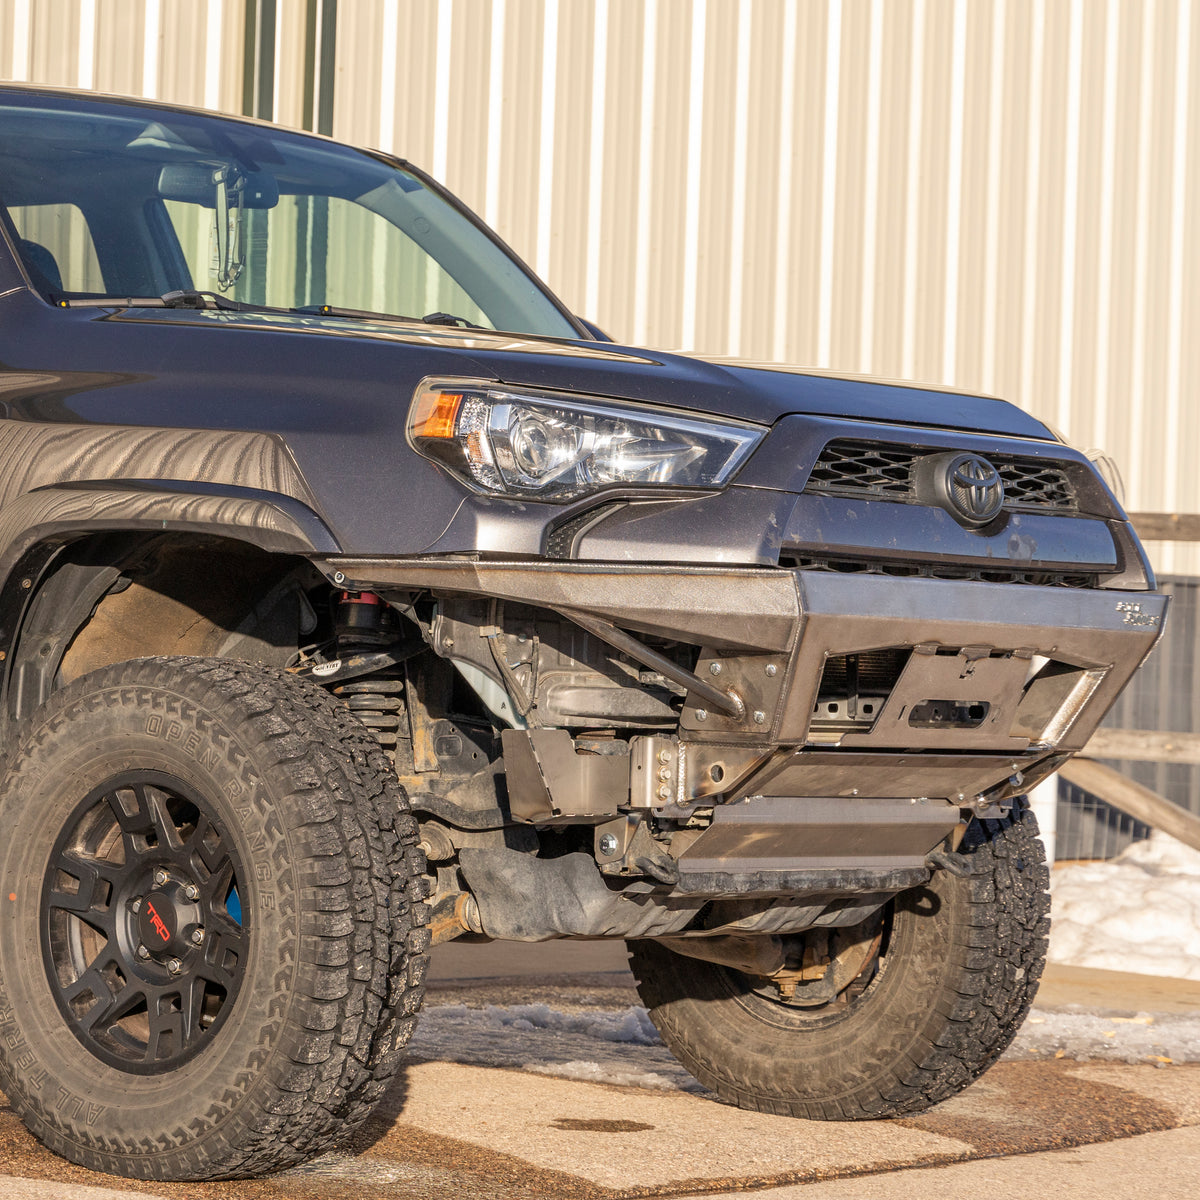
(560, 447)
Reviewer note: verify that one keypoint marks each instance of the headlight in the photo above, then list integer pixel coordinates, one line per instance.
(559, 447)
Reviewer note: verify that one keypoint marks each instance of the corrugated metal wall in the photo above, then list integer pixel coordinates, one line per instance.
(995, 194)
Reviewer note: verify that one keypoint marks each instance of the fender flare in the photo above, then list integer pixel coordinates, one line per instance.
(273, 522)
(36, 528)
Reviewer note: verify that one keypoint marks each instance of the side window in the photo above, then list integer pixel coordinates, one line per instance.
(62, 244)
(321, 250)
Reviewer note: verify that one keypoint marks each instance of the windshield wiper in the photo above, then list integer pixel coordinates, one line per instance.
(359, 314)
(177, 299)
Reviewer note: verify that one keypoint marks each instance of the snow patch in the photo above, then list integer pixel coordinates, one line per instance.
(1138, 912)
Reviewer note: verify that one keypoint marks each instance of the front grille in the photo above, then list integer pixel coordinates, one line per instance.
(562, 539)
(888, 471)
(906, 569)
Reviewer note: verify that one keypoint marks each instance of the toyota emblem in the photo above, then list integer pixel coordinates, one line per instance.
(973, 489)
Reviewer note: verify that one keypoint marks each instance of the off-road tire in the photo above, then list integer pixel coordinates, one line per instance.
(330, 921)
(959, 970)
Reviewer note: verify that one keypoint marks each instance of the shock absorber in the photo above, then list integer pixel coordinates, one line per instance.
(362, 621)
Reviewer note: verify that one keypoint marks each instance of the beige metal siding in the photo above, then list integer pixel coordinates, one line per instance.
(999, 195)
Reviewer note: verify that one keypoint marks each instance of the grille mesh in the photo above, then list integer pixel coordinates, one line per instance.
(886, 471)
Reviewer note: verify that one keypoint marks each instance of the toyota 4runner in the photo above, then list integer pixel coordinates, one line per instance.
(355, 596)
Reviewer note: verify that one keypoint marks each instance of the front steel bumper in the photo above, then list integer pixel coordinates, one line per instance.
(771, 631)
(796, 811)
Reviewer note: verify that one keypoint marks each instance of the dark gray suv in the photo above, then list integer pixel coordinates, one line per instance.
(354, 596)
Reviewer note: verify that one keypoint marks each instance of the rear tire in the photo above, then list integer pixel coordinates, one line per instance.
(959, 968)
(212, 938)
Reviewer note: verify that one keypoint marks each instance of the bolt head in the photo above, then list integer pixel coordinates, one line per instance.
(192, 892)
(607, 844)
(664, 756)
(702, 714)
(664, 792)
(160, 877)
(759, 717)
(714, 668)
(197, 937)
(142, 952)
(137, 904)
(772, 669)
(175, 966)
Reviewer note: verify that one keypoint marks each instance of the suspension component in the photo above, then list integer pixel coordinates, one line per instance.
(378, 702)
(364, 620)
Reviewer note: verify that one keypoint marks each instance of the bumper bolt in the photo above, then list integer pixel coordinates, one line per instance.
(192, 892)
(160, 877)
(175, 966)
(142, 952)
(702, 714)
(714, 668)
(607, 844)
(772, 669)
(759, 717)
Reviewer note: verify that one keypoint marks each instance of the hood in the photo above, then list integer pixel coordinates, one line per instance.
(762, 393)
(757, 392)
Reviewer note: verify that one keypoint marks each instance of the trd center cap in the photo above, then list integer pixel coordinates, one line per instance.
(160, 922)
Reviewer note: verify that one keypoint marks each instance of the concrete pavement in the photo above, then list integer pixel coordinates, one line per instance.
(451, 1130)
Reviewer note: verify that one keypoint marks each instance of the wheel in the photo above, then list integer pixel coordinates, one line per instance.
(212, 936)
(939, 995)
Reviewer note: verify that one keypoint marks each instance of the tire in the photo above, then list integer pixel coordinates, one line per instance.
(959, 967)
(163, 796)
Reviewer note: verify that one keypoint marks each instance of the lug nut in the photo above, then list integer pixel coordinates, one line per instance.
(175, 966)
(142, 952)
(607, 844)
(160, 877)
(197, 937)
(192, 892)
(137, 904)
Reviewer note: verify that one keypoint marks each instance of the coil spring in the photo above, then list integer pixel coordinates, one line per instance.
(378, 702)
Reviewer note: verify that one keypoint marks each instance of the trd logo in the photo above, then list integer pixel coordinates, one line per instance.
(158, 923)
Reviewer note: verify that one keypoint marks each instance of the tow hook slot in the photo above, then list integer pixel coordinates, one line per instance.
(948, 714)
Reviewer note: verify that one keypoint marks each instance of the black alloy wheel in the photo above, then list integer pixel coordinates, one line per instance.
(142, 925)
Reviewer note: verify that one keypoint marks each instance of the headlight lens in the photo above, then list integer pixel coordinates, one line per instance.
(560, 447)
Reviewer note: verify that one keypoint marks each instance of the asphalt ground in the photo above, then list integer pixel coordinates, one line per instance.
(447, 1130)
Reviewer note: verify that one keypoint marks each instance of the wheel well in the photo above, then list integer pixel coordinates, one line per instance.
(105, 599)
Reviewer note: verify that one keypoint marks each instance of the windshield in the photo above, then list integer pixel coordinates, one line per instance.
(122, 200)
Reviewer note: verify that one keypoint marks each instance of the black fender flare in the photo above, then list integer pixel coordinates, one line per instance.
(37, 529)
